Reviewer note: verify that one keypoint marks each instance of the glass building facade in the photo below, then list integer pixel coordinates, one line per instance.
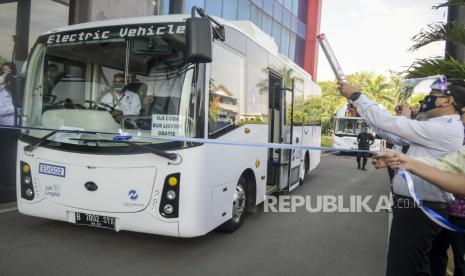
(293, 24)
(284, 20)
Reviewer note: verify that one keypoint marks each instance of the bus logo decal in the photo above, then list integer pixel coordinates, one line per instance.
(133, 194)
(52, 170)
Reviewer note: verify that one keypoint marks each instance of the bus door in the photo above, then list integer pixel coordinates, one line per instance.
(280, 131)
(293, 136)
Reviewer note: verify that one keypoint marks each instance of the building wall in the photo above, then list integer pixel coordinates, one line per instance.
(284, 20)
(110, 9)
(45, 15)
(293, 24)
(287, 21)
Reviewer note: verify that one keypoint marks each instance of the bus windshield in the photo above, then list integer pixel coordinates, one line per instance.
(140, 85)
(349, 126)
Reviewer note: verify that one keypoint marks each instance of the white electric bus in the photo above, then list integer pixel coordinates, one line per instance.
(195, 78)
(348, 125)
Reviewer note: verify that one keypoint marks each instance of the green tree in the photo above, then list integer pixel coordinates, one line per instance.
(383, 90)
(452, 32)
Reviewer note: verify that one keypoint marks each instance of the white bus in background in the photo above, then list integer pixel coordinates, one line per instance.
(248, 93)
(348, 124)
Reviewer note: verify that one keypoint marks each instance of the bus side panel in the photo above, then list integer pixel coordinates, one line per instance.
(257, 111)
(312, 121)
(227, 163)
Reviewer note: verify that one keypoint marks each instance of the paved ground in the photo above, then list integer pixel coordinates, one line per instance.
(299, 243)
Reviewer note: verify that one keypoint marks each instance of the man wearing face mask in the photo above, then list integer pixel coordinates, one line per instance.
(120, 101)
(439, 133)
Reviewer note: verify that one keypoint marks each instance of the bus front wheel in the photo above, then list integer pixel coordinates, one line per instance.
(239, 207)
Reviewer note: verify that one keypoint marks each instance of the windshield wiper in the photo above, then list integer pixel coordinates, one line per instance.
(30, 148)
(143, 148)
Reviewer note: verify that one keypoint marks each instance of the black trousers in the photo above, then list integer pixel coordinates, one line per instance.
(441, 244)
(411, 240)
(362, 156)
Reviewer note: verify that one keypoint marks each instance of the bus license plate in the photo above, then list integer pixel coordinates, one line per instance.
(95, 220)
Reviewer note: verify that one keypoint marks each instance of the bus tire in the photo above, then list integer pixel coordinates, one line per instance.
(240, 201)
(306, 165)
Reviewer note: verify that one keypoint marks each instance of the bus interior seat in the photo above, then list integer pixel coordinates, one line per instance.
(69, 89)
(141, 90)
(165, 105)
(138, 88)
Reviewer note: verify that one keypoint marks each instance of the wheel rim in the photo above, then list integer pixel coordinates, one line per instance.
(239, 203)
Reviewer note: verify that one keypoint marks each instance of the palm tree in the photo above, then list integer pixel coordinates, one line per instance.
(451, 32)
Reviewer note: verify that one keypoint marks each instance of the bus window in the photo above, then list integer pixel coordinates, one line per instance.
(64, 82)
(227, 86)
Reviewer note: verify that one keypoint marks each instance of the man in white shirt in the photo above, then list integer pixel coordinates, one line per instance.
(120, 102)
(412, 233)
(7, 110)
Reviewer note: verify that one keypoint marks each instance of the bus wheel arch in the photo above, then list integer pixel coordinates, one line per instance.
(246, 186)
(307, 162)
(251, 181)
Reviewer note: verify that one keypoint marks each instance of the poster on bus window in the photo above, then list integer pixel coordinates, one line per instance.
(168, 125)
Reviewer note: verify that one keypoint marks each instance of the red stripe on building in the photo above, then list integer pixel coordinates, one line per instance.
(311, 43)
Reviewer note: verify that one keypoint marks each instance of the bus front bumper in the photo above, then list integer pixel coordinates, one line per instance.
(142, 221)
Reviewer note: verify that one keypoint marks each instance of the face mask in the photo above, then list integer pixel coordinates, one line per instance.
(118, 88)
(429, 103)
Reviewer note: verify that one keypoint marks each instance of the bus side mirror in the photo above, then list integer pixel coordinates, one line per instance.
(18, 90)
(199, 40)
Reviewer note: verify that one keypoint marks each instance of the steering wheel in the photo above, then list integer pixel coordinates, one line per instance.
(50, 99)
(69, 105)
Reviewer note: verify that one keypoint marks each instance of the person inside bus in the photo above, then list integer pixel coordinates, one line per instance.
(365, 139)
(412, 234)
(349, 128)
(7, 110)
(53, 76)
(120, 101)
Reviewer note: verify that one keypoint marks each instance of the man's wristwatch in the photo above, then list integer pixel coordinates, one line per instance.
(355, 96)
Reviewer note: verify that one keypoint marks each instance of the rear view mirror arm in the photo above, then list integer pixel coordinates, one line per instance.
(218, 29)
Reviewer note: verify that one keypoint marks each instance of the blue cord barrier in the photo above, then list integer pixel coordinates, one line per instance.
(431, 214)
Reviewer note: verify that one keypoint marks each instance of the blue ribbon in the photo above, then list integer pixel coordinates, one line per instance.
(434, 216)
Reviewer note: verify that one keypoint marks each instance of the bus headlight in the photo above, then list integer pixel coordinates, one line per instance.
(29, 192)
(168, 209)
(27, 189)
(169, 201)
(171, 195)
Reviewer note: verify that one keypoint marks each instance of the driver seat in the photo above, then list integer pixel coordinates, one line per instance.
(140, 89)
